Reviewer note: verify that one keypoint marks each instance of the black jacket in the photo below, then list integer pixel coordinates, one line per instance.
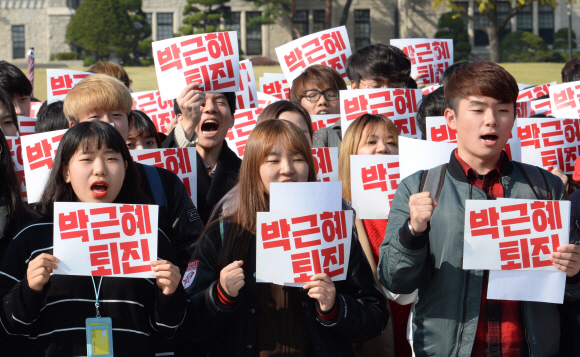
(178, 218)
(233, 331)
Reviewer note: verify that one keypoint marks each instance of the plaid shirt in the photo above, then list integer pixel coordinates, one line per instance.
(500, 329)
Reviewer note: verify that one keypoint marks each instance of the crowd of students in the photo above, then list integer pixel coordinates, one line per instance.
(405, 291)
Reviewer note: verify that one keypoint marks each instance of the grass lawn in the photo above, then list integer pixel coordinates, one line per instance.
(144, 77)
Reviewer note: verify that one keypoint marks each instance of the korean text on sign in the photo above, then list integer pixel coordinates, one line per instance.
(60, 81)
(535, 92)
(210, 59)
(18, 163)
(247, 96)
(541, 106)
(38, 152)
(26, 125)
(428, 56)
(510, 234)
(265, 99)
(180, 161)
(160, 111)
(374, 180)
(329, 48)
(565, 100)
(276, 85)
(324, 121)
(291, 247)
(245, 121)
(399, 105)
(550, 142)
(326, 162)
(102, 239)
(34, 107)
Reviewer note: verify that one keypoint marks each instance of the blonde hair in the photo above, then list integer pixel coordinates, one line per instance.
(352, 139)
(95, 93)
(111, 69)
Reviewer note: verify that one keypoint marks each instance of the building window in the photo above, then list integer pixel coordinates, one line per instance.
(234, 24)
(164, 25)
(253, 34)
(546, 22)
(301, 23)
(362, 28)
(18, 47)
(318, 17)
(73, 4)
(480, 36)
(525, 19)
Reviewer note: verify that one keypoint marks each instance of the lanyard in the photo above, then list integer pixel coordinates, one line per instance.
(97, 292)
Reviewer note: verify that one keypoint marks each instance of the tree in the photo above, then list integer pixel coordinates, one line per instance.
(452, 27)
(206, 19)
(142, 28)
(524, 46)
(102, 28)
(496, 24)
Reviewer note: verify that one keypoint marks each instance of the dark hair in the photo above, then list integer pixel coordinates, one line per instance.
(316, 75)
(274, 110)
(412, 83)
(51, 117)
(432, 105)
(230, 97)
(10, 187)
(450, 70)
(84, 136)
(571, 70)
(485, 79)
(143, 126)
(111, 69)
(13, 80)
(7, 101)
(379, 62)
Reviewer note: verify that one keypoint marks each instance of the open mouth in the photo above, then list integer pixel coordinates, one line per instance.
(99, 189)
(209, 127)
(322, 112)
(489, 138)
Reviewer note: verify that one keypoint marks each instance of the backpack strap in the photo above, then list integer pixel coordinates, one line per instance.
(536, 178)
(432, 181)
(156, 185)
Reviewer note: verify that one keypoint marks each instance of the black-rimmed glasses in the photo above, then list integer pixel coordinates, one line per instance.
(312, 95)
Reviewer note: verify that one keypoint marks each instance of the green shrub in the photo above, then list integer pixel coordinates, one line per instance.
(561, 39)
(451, 26)
(89, 61)
(524, 46)
(64, 56)
(146, 62)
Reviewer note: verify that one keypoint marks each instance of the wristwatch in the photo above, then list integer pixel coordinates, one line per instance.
(411, 229)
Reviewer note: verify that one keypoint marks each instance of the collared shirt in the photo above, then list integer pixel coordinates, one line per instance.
(500, 329)
(181, 139)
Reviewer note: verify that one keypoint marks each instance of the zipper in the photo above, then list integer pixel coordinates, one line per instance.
(525, 328)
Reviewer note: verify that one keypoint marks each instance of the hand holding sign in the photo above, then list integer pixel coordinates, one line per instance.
(190, 101)
(39, 269)
(322, 289)
(421, 207)
(232, 278)
(567, 259)
(167, 276)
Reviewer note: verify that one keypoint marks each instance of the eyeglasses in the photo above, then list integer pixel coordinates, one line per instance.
(312, 95)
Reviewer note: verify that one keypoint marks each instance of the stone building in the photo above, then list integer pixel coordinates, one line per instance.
(42, 23)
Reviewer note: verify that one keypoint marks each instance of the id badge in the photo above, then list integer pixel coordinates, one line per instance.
(99, 337)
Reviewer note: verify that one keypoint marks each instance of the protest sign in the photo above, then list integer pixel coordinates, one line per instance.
(541, 106)
(510, 234)
(525, 285)
(430, 89)
(326, 162)
(373, 182)
(160, 111)
(26, 125)
(34, 107)
(60, 81)
(276, 85)
(293, 246)
(399, 105)
(105, 239)
(247, 96)
(439, 131)
(323, 121)
(18, 163)
(38, 152)
(564, 100)
(265, 99)
(329, 48)
(180, 161)
(416, 155)
(523, 109)
(535, 92)
(429, 56)
(244, 122)
(550, 142)
(211, 59)
(305, 196)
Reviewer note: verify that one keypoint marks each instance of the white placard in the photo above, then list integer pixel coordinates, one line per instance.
(514, 234)
(160, 111)
(428, 56)
(541, 106)
(326, 162)
(26, 125)
(180, 161)
(373, 181)
(247, 96)
(244, 123)
(305, 196)
(18, 162)
(565, 100)
(329, 48)
(525, 285)
(211, 59)
(34, 107)
(265, 99)
(105, 239)
(416, 155)
(276, 85)
(60, 81)
(324, 121)
(535, 92)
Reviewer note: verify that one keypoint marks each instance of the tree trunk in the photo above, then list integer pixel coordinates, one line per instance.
(291, 15)
(328, 14)
(493, 35)
(345, 12)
